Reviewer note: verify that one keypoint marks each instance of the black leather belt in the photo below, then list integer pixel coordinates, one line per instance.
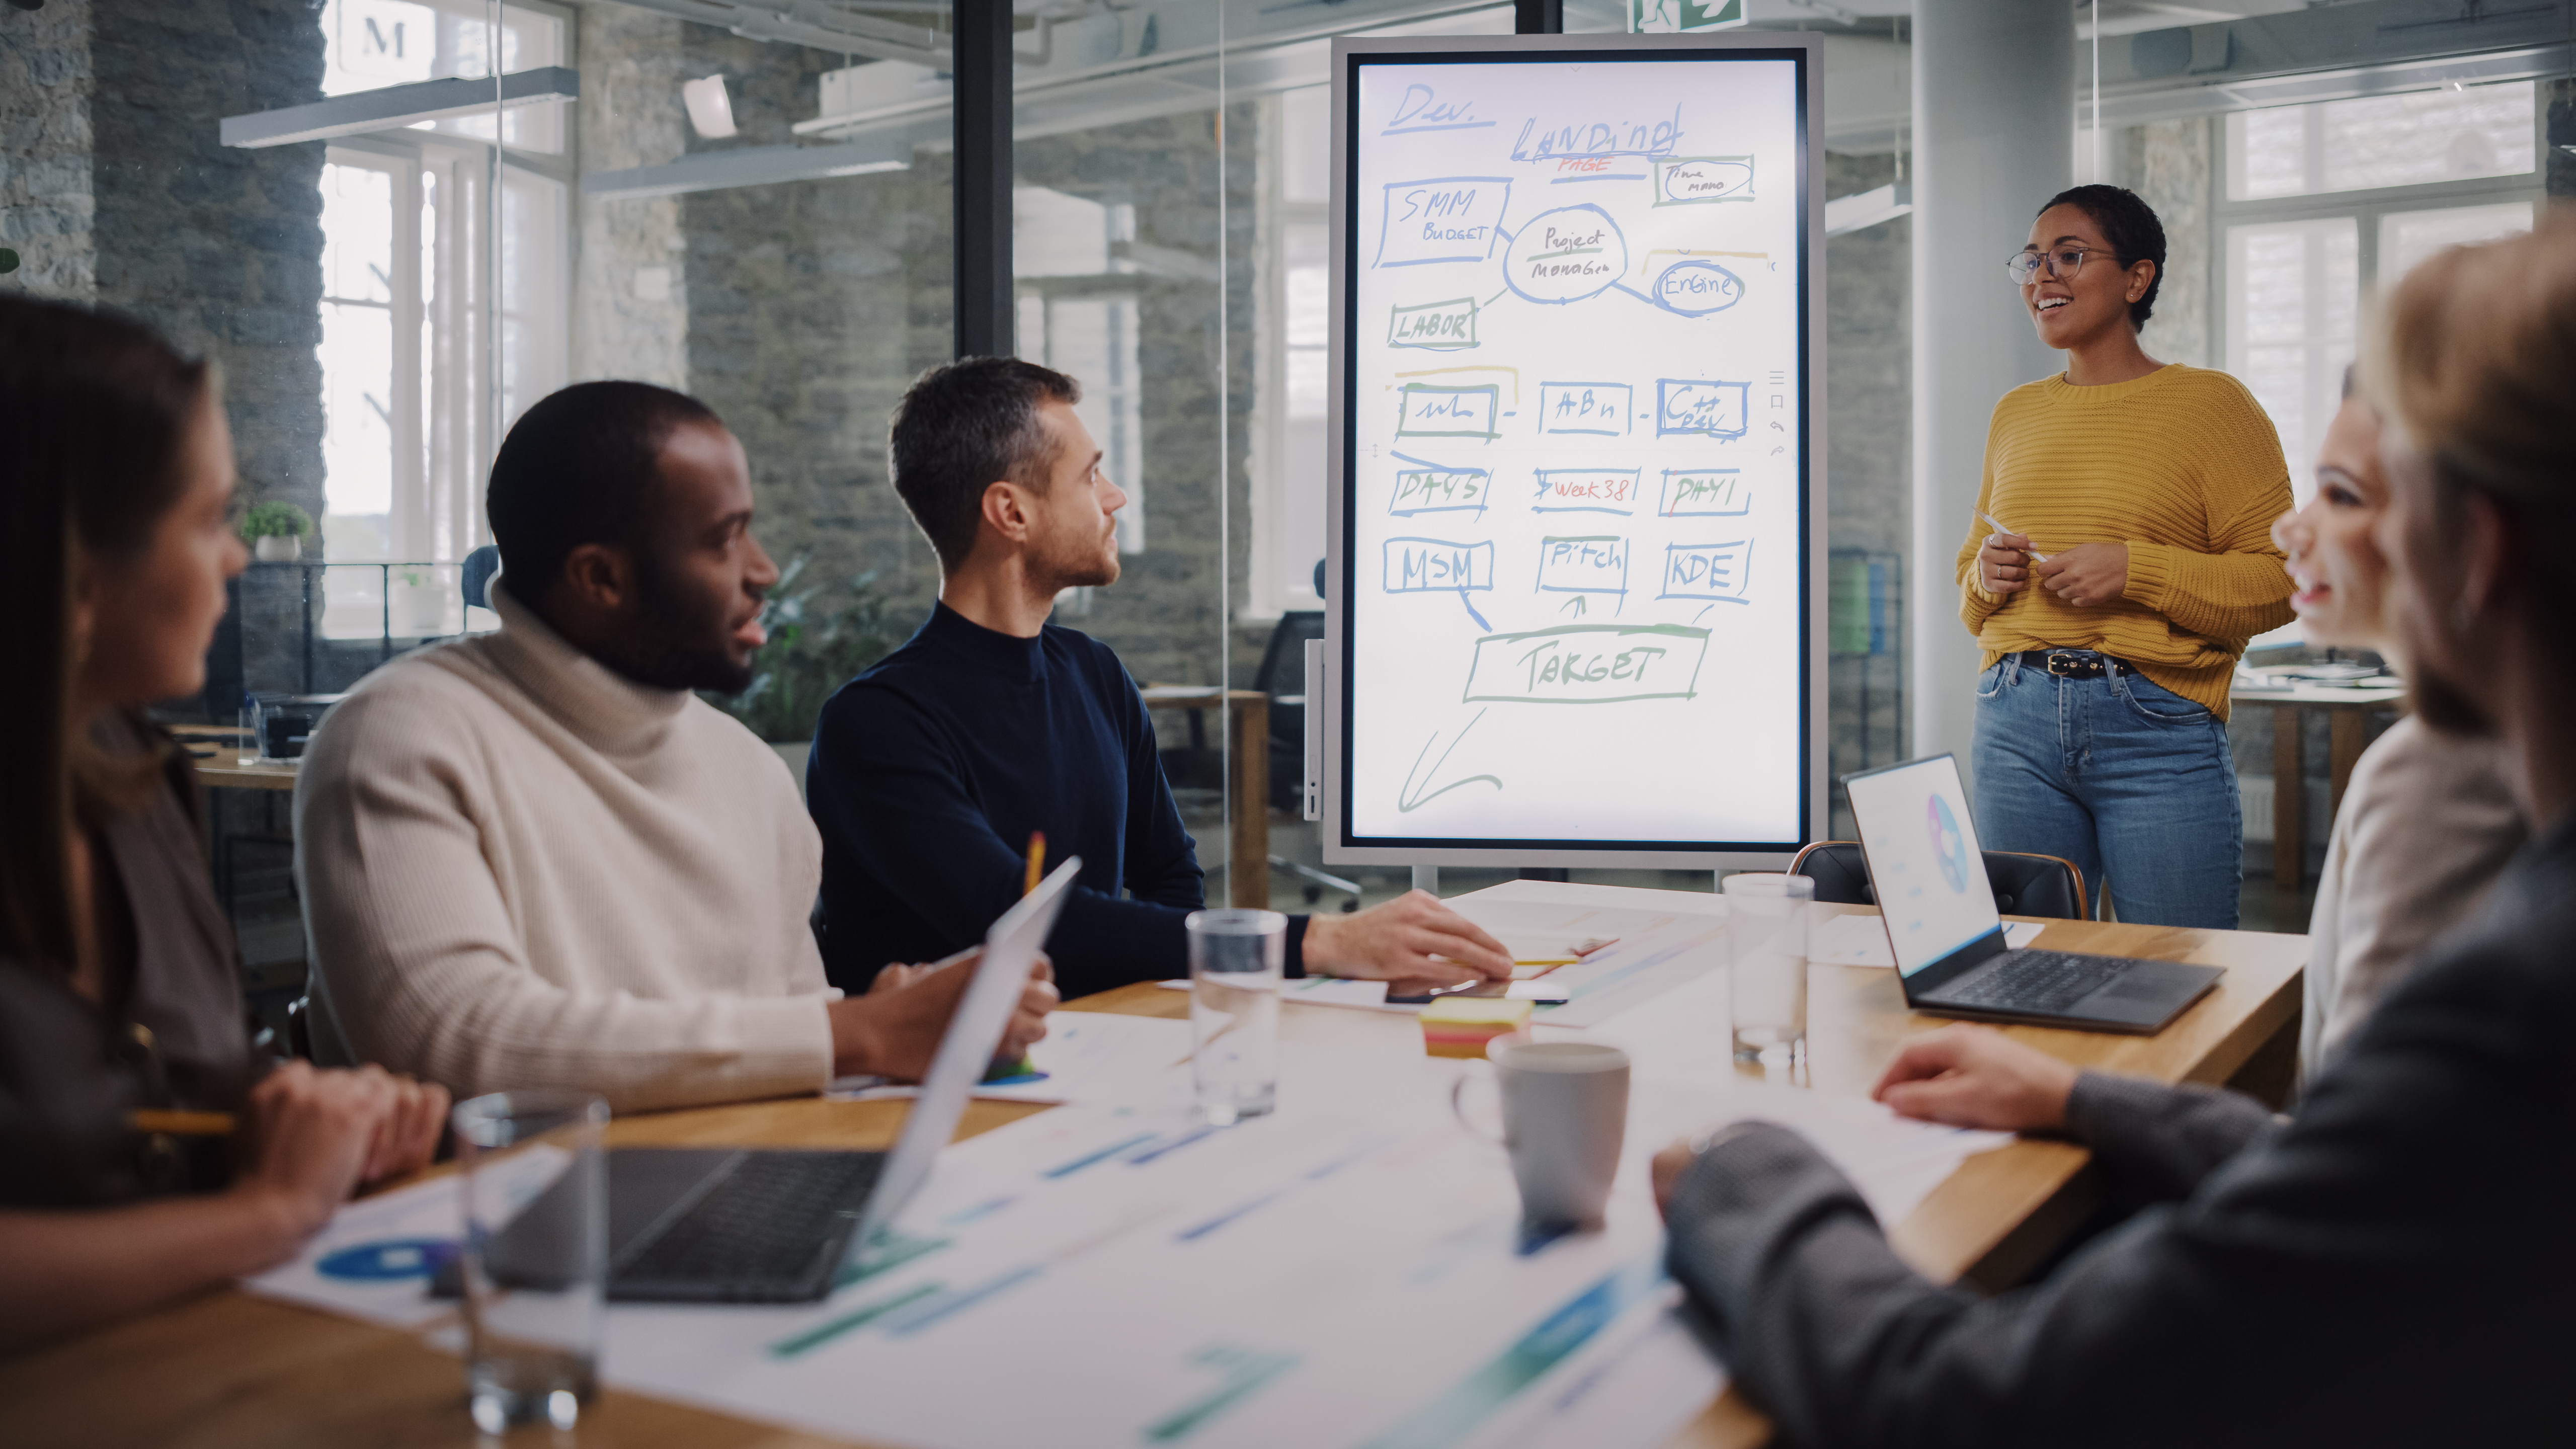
(2068, 663)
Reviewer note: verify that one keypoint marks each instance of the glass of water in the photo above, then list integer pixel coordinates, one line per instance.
(536, 1254)
(1767, 984)
(1237, 959)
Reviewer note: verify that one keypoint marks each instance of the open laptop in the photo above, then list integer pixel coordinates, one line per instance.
(728, 1225)
(1948, 939)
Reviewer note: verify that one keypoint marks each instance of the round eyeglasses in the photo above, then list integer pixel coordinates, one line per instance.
(2062, 263)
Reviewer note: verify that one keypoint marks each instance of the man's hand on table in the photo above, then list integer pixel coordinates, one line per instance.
(1975, 1076)
(894, 1030)
(1397, 941)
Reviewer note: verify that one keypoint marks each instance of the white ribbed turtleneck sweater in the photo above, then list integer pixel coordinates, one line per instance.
(521, 869)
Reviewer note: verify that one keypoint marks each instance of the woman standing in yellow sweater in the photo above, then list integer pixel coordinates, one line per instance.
(2141, 497)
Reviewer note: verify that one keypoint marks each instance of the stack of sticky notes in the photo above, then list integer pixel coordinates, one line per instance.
(1459, 1026)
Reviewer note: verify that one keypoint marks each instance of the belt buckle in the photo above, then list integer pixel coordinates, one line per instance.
(2072, 668)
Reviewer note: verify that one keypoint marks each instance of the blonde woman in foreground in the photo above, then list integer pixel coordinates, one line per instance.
(2428, 820)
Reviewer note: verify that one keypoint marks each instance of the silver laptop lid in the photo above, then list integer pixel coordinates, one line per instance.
(1923, 857)
(966, 1051)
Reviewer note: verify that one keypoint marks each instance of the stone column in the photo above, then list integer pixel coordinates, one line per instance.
(47, 208)
(1994, 95)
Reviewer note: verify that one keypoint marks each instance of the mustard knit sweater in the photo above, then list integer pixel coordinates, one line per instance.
(2183, 467)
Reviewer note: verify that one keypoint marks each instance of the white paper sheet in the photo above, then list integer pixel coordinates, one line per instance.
(1862, 940)
(1087, 1056)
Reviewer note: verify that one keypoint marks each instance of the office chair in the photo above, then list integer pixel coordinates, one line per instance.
(2024, 885)
(480, 566)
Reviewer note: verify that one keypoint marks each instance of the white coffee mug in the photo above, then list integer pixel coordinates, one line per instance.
(1565, 1114)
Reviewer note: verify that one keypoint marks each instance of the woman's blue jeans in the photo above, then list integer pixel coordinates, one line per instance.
(2121, 776)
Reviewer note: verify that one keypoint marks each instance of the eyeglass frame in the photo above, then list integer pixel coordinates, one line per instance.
(2047, 260)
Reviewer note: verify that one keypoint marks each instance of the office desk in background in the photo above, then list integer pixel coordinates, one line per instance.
(229, 1371)
(2348, 708)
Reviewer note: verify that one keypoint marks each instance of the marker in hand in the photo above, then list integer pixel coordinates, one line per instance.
(2000, 526)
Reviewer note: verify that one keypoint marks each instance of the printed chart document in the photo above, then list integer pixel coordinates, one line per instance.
(1346, 1272)
(1659, 940)
(1086, 1056)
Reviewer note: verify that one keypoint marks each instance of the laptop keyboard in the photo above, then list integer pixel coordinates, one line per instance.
(758, 1234)
(2043, 981)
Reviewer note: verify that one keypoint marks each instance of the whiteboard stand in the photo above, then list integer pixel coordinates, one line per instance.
(1575, 514)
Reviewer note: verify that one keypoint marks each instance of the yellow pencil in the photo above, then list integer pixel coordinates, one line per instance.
(1025, 1066)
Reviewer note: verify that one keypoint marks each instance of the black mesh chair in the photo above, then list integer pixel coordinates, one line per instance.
(2024, 885)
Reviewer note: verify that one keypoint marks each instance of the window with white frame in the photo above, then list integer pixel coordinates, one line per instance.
(424, 361)
(2328, 202)
(1294, 325)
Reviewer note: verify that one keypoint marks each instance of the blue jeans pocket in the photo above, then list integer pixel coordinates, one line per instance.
(1991, 683)
(2153, 702)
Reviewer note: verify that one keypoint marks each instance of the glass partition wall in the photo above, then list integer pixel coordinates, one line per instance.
(396, 223)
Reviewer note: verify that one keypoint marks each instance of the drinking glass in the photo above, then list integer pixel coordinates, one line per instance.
(1237, 959)
(536, 1254)
(1767, 985)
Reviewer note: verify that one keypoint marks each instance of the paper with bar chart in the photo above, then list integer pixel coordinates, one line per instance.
(1574, 451)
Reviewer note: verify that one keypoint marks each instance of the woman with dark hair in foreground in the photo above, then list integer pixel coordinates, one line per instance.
(119, 984)
(2389, 1266)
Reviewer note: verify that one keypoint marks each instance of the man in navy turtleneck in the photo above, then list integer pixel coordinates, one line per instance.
(931, 769)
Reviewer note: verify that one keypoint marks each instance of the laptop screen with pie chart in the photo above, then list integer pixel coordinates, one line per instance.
(1924, 859)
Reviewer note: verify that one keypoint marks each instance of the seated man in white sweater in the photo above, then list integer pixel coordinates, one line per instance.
(535, 858)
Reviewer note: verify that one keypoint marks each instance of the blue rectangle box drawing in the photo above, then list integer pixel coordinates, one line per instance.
(1436, 565)
(1450, 219)
(1594, 409)
(1422, 486)
(1703, 493)
(1434, 326)
(1591, 565)
(1588, 664)
(1708, 570)
(1587, 490)
(1686, 407)
(1424, 411)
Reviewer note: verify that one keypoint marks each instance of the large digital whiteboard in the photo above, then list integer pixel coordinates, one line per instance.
(1577, 522)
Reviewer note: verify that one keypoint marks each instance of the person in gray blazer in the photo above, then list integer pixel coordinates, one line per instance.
(2391, 1265)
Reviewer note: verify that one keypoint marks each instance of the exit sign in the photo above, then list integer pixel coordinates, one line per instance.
(1675, 16)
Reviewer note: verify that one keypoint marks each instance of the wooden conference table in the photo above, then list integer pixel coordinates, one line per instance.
(230, 1371)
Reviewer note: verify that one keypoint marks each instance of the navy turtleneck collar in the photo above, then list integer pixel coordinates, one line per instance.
(1004, 653)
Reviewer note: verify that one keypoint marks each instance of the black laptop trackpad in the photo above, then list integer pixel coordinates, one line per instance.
(2149, 993)
(647, 1186)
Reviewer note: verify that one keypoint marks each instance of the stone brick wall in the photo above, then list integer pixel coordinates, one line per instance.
(2168, 165)
(811, 305)
(46, 204)
(219, 248)
(631, 286)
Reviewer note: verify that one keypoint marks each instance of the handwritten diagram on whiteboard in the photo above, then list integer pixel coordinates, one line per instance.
(1573, 528)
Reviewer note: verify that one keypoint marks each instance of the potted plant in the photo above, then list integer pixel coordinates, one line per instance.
(817, 642)
(276, 531)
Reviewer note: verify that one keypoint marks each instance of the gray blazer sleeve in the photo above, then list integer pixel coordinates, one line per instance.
(2390, 1268)
(2158, 1142)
